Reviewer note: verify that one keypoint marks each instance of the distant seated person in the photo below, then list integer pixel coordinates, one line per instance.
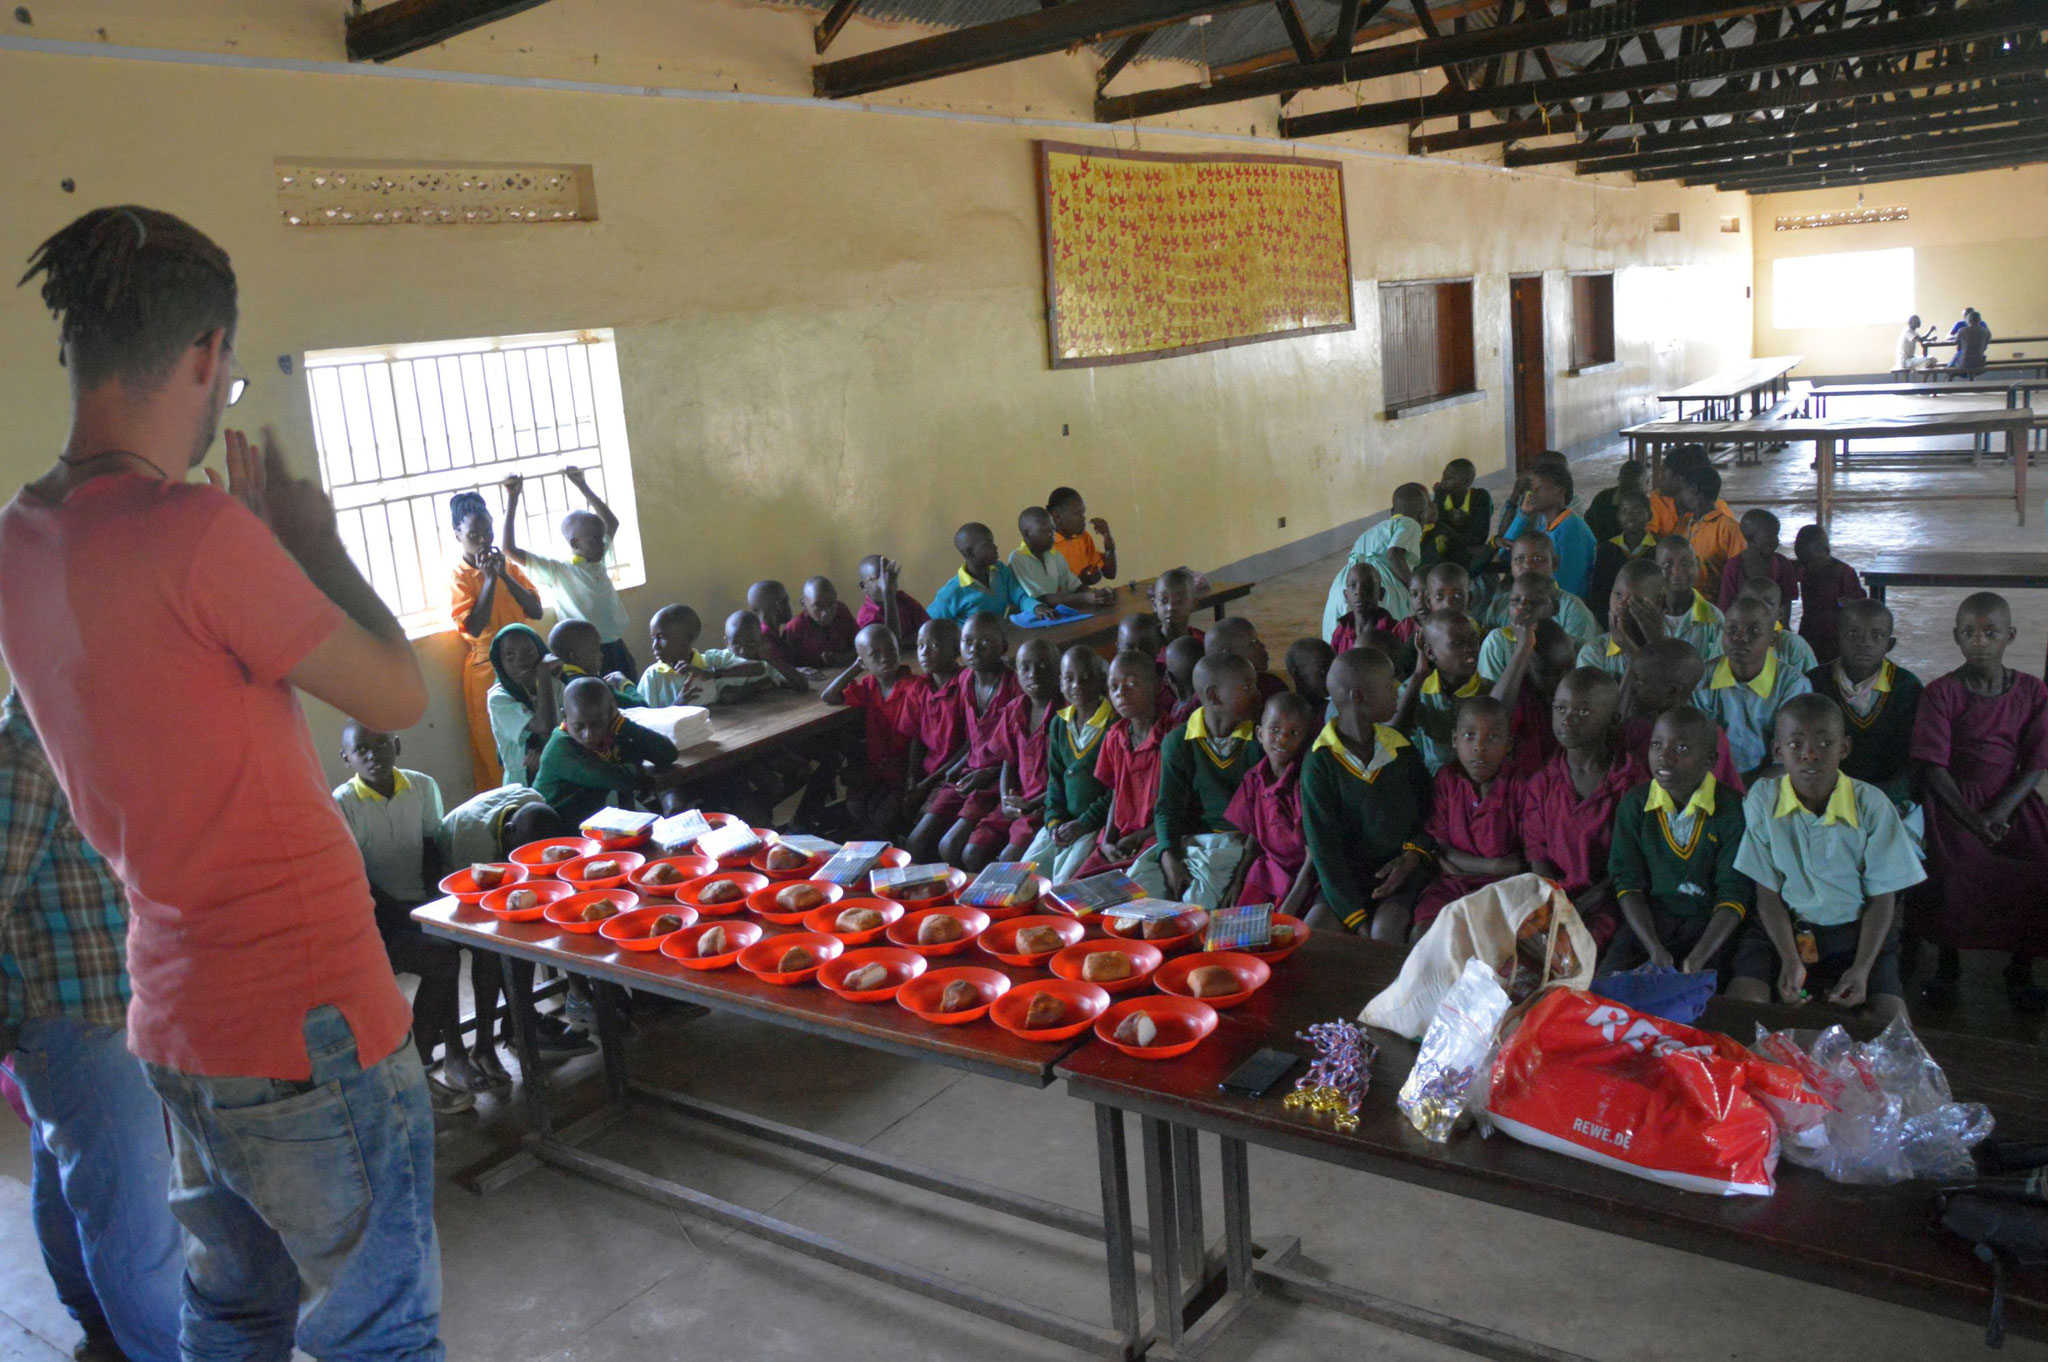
(581, 587)
(821, 634)
(1446, 671)
(1071, 521)
(1464, 518)
(1183, 655)
(1693, 617)
(1602, 517)
(1239, 637)
(1173, 604)
(1547, 507)
(1363, 615)
(984, 581)
(769, 600)
(1393, 548)
(1308, 671)
(1973, 341)
(1826, 585)
(1662, 676)
(1907, 356)
(883, 601)
(1760, 558)
(1632, 512)
(395, 817)
(574, 650)
(751, 662)
(1532, 551)
(1672, 860)
(597, 759)
(1829, 858)
(680, 675)
(1713, 532)
(1042, 569)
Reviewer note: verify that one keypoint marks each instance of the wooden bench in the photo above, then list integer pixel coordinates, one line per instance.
(1721, 396)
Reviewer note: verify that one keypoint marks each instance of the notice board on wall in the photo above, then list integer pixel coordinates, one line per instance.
(1149, 254)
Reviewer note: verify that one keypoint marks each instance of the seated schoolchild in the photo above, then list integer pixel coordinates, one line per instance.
(1696, 619)
(769, 600)
(521, 702)
(1544, 655)
(1363, 615)
(1128, 765)
(822, 634)
(1791, 649)
(1446, 671)
(394, 816)
(581, 587)
(1663, 676)
(930, 718)
(1393, 548)
(1173, 605)
(596, 758)
(1546, 507)
(1603, 512)
(1025, 740)
(1760, 558)
(1364, 796)
(1568, 806)
(574, 650)
(1635, 618)
(1829, 856)
(1076, 800)
(1826, 584)
(1879, 699)
(1238, 636)
(1712, 529)
(1672, 860)
(1632, 511)
(878, 684)
(1182, 656)
(1042, 569)
(751, 662)
(1267, 807)
(980, 697)
(1196, 852)
(1531, 551)
(1747, 684)
(1308, 670)
(1475, 810)
(883, 601)
(1464, 518)
(1071, 521)
(984, 581)
(680, 675)
(1445, 586)
(1141, 634)
(1529, 599)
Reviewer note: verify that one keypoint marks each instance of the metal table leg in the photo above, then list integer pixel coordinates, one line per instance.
(1156, 1139)
(1187, 1201)
(1117, 1231)
(606, 1001)
(1237, 1216)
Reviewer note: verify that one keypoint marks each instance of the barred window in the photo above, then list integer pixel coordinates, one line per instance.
(401, 428)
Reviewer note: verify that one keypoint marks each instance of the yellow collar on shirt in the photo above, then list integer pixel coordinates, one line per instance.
(1841, 804)
(399, 785)
(698, 662)
(1198, 725)
(966, 579)
(1763, 683)
(1613, 648)
(577, 560)
(1882, 681)
(1450, 505)
(1025, 549)
(1700, 606)
(1433, 685)
(1702, 800)
(1387, 744)
(1103, 714)
(1620, 541)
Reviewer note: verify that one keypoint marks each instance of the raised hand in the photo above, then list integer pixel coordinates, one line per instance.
(295, 509)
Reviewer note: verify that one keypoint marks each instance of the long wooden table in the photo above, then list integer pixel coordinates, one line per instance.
(1134, 598)
(2013, 391)
(1830, 433)
(1870, 1241)
(1721, 396)
(980, 1048)
(1940, 567)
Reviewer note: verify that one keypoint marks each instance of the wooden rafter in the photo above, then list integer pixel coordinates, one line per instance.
(404, 26)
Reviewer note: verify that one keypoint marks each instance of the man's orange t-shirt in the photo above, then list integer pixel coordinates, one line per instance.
(150, 626)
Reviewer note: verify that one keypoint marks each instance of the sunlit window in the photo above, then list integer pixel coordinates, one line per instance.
(1856, 288)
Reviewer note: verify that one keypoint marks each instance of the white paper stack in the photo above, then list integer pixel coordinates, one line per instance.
(683, 725)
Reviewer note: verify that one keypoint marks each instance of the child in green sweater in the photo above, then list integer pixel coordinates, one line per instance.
(1364, 795)
(1200, 766)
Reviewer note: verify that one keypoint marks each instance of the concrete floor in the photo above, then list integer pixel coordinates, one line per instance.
(558, 1268)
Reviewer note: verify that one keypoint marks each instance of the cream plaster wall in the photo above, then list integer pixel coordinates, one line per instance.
(830, 321)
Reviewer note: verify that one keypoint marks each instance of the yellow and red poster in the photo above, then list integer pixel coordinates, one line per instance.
(1149, 254)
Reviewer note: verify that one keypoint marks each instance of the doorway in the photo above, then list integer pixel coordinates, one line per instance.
(1531, 422)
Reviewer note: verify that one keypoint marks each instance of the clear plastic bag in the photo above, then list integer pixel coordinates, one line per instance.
(1888, 1114)
(1455, 1050)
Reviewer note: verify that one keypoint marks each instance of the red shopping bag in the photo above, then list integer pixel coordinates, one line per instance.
(1598, 1081)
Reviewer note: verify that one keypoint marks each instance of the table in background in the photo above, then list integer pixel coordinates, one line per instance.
(1829, 433)
(753, 728)
(1940, 567)
(1869, 1241)
(1133, 598)
(1721, 395)
(978, 1048)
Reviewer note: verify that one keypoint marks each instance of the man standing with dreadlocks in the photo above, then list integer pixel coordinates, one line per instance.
(264, 1008)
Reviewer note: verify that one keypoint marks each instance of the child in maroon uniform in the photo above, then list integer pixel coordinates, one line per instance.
(1980, 741)
(1128, 764)
(1239, 637)
(1308, 671)
(981, 696)
(1173, 602)
(1568, 806)
(1542, 657)
(1474, 810)
(1004, 834)
(1363, 615)
(879, 684)
(1177, 696)
(1267, 808)
(822, 635)
(879, 591)
(930, 722)
(1759, 558)
(1447, 586)
(1825, 583)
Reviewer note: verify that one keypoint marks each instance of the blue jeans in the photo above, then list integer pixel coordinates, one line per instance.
(100, 1185)
(310, 1206)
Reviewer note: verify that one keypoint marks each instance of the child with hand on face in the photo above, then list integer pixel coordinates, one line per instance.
(1673, 856)
(1267, 808)
(1026, 744)
(1663, 676)
(1603, 512)
(1826, 584)
(1828, 856)
(1308, 671)
(1393, 549)
(1568, 806)
(1531, 598)
(1364, 796)
(1694, 618)
(1446, 671)
(980, 697)
(1128, 765)
(1532, 552)
(1474, 821)
(883, 601)
(1543, 656)
(1879, 699)
(680, 675)
(1746, 686)
(522, 702)
(822, 636)
(596, 758)
(748, 645)
(1076, 801)
(1980, 741)
(1635, 618)
(1043, 569)
(1446, 586)
(1071, 522)
(878, 684)
(582, 587)
(1201, 764)
(1363, 616)
(1760, 558)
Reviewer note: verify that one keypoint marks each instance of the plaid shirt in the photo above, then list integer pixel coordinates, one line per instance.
(63, 915)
